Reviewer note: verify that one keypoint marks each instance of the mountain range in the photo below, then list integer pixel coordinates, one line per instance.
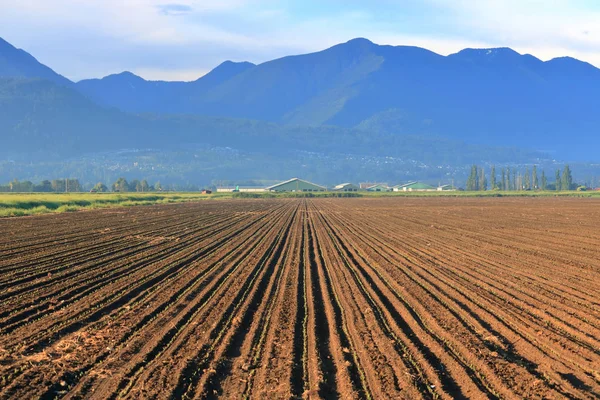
(371, 95)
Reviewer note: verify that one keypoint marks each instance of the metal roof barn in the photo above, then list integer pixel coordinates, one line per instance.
(346, 187)
(414, 187)
(296, 185)
(378, 188)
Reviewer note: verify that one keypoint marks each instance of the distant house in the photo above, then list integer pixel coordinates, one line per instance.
(296, 185)
(379, 188)
(206, 191)
(446, 188)
(346, 187)
(414, 187)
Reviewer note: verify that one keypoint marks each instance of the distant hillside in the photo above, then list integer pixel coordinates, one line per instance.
(18, 63)
(129, 92)
(488, 97)
(43, 118)
(40, 118)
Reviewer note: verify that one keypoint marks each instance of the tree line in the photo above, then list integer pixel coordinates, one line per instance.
(66, 185)
(69, 185)
(516, 179)
(121, 185)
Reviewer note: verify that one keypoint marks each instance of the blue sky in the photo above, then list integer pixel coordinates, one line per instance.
(184, 39)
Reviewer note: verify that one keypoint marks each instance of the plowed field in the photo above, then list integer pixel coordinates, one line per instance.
(396, 298)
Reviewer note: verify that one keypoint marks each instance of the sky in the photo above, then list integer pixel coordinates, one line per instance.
(184, 39)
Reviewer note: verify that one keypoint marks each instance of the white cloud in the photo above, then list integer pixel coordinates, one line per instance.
(182, 39)
(160, 74)
(546, 28)
(175, 9)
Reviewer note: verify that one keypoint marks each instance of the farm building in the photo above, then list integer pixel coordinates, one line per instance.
(245, 189)
(366, 185)
(446, 188)
(414, 187)
(296, 185)
(346, 187)
(379, 188)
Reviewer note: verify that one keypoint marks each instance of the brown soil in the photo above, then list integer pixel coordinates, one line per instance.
(400, 298)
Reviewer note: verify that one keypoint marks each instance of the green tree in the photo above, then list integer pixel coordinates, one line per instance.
(73, 185)
(134, 186)
(144, 186)
(44, 186)
(493, 178)
(527, 183)
(121, 185)
(534, 178)
(567, 179)
(21, 187)
(482, 180)
(557, 185)
(158, 187)
(58, 185)
(481, 185)
(508, 187)
(473, 180)
(544, 181)
(100, 188)
(503, 183)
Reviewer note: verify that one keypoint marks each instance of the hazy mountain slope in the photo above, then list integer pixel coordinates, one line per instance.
(489, 96)
(486, 96)
(42, 120)
(129, 92)
(275, 89)
(493, 97)
(45, 119)
(18, 63)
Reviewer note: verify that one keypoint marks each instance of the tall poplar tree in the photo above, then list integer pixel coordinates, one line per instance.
(493, 178)
(567, 179)
(557, 179)
(534, 178)
(527, 183)
(482, 180)
(473, 180)
(544, 181)
(503, 179)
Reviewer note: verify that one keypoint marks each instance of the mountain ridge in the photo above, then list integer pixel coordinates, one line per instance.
(487, 96)
(17, 62)
(358, 41)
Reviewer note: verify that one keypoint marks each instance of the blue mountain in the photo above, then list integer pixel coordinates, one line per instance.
(18, 63)
(131, 93)
(493, 97)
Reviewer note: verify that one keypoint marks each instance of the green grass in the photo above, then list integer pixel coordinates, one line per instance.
(490, 193)
(20, 204)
